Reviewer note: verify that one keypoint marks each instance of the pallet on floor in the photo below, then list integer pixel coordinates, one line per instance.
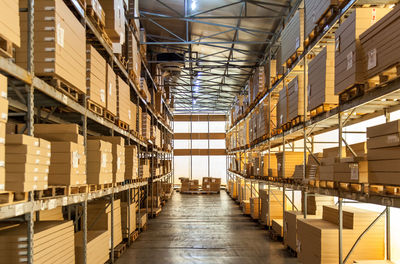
(134, 235)
(7, 198)
(119, 249)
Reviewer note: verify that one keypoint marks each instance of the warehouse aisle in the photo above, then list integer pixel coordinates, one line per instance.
(204, 229)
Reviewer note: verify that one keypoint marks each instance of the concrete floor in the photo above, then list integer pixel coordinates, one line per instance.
(204, 229)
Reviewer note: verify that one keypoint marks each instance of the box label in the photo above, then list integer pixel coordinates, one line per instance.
(349, 61)
(60, 35)
(75, 159)
(102, 95)
(353, 172)
(392, 139)
(371, 59)
(104, 160)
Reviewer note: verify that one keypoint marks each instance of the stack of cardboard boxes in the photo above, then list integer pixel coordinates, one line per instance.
(111, 93)
(189, 185)
(274, 206)
(211, 184)
(9, 22)
(96, 248)
(115, 22)
(118, 156)
(131, 162)
(286, 163)
(318, 238)
(146, 125)
(292, 36)
(96, 79)
(123, 102)
(53, 242)
(99, 219)
(3, 121)
(64, 56)
(144, 168)
(295, 94)
(68, 159)
(27, 163)
(125, 219)
(255, 206)
(100, 162)
(383, 153)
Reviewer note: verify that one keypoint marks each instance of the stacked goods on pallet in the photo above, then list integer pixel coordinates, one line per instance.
(131, 162)
(314, 12)
(53, 242)
(295, 94)
(118, 156)
(318, 238)
(142, 218)
(277, 226)
(287, 161)
(158, 102)
(321, 79)
(68, 159)
(330, 156)
(27, 161)
(256, 83)
(211, 184)
(134, 60)
(234, 190)
(270, 170)
(144, 90)
(144, 168)
(353, 169)
(349, 64)
(10, 16)
(315, 203)
(99, 218)
(189, 185)
(245, 207)
(380, 50)
(3, 121)
(255, 205)
(270, 73)
(133, 11)
(383, 153)
(96, 80)
(115, 19)
(96, 248)
(111, 93)
(99, 162)
(123, 102)
(282, 108)
(60, 44)
(133, 109)
(125, 219)
(292, 37)
(279, 62)
(290, 231)
(272, 205)
(94, 9)
(153, 201)
(146, 125)
(312, 168)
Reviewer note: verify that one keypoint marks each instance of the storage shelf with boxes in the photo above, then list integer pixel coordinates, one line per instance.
(50, 163)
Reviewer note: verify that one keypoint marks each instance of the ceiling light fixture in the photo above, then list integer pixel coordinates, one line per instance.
(194, 101)
(194, 5)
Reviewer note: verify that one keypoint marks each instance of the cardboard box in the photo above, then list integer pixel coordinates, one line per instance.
(97, 246)
(60, 43)
(291, 160)
(9, 22)
(111, 90)
(131, 162)
(392, 140)
(124, 101)
(95, 76)
(384, 129)
(292, 36)
(115, 19)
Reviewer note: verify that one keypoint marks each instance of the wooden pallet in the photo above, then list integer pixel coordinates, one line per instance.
(119, 249)
(327, 17)
(62, 190)
(109, 116)
(349, 94)
(327, 184)
(287, 126)
(293, 58)
(297, 120)
(63, 86)
(352, 187)
(7, 198)
(99, 23)
(134, 235)
(313, 183)
(322, 109)
(386, 76)
(156, 212)
(6, 47)
(384, 189)
(98, 187)
(95, 108)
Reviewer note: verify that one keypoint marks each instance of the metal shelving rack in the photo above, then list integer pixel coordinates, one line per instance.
(36, 94)
(380, 101)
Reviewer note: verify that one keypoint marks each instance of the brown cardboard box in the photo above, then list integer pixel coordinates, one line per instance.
(99, 165)
(125, 220)
(131, 162)
(291, 160)
(392, 140)
(295, 94)
(111, 90)
(380, 42)
(255, 206)
(277, 226)
(133, 117)
(349, 62)
(115, 19)
(351, 172)
(321, 79)
(9, 23)
(64, 56)
(123, 101)
(292, 36)
(274, 206)
(97, 246)
(96, 76)
(384, 129)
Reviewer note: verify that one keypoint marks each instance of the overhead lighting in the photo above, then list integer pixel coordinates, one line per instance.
(194, 5)
(196, 88)
(194, 101)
